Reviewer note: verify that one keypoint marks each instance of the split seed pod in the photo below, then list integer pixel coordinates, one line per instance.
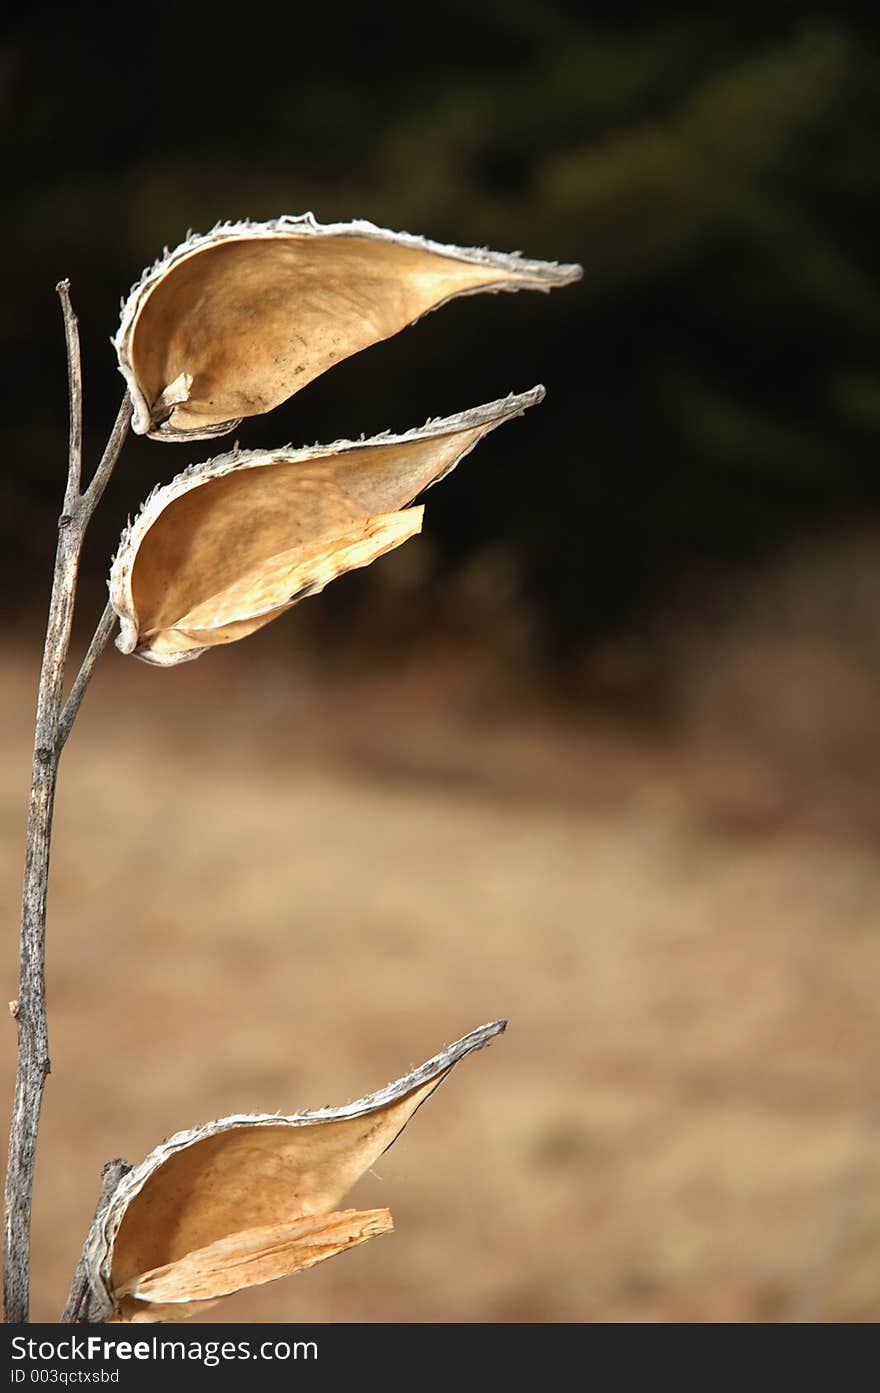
(247, 1199)
(232, 323)
(232, 543)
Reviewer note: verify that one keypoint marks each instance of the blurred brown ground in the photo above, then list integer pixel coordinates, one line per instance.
(273, 892)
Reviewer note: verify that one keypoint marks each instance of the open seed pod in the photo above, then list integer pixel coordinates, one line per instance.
(232, 543)
(247, 1199)
(232, 323)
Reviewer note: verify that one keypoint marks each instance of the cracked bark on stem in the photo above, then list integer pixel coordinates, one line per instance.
(30, 1009)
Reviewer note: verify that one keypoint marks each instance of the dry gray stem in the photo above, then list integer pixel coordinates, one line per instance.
(83, 1303)
(33, 1042)
(100, 638)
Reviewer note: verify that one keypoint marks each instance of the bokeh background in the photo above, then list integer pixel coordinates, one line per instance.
(599, 752)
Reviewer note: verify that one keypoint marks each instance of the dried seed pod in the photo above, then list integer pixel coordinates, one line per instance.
(231, 324)
(232, 543)
(247, 1199)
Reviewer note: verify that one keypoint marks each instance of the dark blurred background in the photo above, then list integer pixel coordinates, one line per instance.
(713, 383)
(600, 751)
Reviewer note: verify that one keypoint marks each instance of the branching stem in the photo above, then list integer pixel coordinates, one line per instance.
(52, 729)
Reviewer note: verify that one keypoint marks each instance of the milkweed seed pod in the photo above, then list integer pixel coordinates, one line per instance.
(234, 542)
(232, 323)
(247, 1199)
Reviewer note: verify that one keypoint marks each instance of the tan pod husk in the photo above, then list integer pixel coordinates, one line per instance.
(234, 542)
(232, 323)
(248, 1199)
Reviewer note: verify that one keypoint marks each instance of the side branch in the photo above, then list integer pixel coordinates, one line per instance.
(82, 1304)
(92, 496)
(100, 639)
(74, 385)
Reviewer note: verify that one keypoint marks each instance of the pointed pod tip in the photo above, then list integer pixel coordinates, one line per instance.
(521, 401)
(536, 395)
(474, 1040)
(490, 1031)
